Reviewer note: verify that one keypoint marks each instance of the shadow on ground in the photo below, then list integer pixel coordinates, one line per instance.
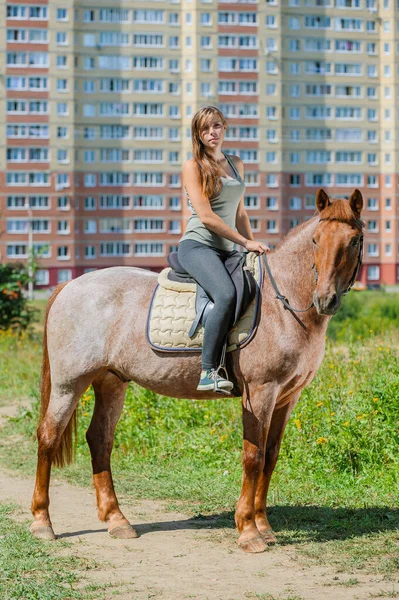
(298, 524)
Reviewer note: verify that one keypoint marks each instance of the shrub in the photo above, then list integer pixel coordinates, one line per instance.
(15, 313)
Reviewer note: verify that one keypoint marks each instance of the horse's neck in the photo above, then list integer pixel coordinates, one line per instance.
(291, 265)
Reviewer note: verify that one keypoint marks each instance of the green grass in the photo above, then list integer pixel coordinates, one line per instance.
(334, 494)
(35, 570)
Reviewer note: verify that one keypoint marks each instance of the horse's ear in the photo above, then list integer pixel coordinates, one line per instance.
(356, 202)
(322, 200)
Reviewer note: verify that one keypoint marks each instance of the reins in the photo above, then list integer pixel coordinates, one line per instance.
(285, 300)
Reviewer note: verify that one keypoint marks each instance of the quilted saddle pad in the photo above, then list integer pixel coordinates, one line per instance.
(172, 312)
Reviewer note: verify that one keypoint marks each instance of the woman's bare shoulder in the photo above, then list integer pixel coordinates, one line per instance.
(237, 163)
(190, 168)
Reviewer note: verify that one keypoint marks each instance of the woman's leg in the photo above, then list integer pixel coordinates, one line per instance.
(206, 266)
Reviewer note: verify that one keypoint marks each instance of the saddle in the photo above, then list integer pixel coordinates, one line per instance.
(244, 283)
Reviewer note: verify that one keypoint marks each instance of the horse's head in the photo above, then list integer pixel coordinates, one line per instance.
(338, 243)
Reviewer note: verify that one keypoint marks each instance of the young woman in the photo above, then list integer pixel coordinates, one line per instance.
(214, 187)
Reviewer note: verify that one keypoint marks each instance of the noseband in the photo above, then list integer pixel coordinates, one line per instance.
(285, 300)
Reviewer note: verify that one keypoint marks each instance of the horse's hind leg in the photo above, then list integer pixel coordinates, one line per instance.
(55, 425)
(110, 395)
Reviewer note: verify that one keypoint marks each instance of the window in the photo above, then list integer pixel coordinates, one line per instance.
(372, 249)
(373, 273)
(62, 132)
(62, 180)
(89, 203)
(115, 249)
(61, 62)
(64, 275)
(372, 204)
(89, 180)
(295, 203)
(271, 226)
(90, 226)
(63, 227)
(63, 253)
(62, 156)
(251, 202)
(90, 252)
(372, 226)
(63, 203)
(62, 109)
(310, 202)
(271, 203)
(295, 180)
(61, 38)
(38, 12)
(62, 14)
(149, 249)
(42, 277)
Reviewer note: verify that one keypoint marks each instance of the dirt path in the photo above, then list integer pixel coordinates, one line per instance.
(174, 559)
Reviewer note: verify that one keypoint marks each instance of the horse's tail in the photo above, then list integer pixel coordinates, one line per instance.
(64, 453)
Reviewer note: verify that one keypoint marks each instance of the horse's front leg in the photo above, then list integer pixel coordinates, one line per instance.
(275, 435)
(258, 404)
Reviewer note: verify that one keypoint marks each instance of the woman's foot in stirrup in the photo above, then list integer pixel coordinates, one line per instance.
(211, 380)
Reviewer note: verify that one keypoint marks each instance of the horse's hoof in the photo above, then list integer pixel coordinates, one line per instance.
(123, 532)
(269, 537)
(43, 532)
(253, 545)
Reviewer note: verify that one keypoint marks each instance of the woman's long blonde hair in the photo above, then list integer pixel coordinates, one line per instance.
(208, 169)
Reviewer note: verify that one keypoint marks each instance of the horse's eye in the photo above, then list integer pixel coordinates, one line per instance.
(314, 241)
(354, 241)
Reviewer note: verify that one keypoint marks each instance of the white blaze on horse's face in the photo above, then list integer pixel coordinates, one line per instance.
(336, 248)
(336, 243)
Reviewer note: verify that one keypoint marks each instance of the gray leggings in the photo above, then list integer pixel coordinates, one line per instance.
(206, 265)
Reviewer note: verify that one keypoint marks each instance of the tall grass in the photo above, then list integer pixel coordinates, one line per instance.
(343, 436)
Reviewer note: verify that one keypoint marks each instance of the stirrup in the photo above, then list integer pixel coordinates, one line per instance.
(222, 367)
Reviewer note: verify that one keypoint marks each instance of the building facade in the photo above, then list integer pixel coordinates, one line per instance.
(96, 107)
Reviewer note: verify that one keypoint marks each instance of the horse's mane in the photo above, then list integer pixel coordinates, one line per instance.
(338, 210)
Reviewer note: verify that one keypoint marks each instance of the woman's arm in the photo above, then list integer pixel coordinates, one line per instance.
(242, 221)
(211, 220)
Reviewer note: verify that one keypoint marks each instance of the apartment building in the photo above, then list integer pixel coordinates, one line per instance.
(96, 107)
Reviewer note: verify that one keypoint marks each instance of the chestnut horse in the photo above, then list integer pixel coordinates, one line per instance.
(95, 334)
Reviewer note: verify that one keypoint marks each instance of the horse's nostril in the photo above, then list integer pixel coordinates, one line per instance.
(332, 301)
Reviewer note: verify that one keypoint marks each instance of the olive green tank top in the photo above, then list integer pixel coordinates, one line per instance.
(225, 205)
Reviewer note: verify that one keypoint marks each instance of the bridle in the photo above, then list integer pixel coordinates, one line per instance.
(285, 300)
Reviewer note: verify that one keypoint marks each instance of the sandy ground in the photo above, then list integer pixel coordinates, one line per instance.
(177, 558)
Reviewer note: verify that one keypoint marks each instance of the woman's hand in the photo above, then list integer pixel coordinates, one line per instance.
(253, 246)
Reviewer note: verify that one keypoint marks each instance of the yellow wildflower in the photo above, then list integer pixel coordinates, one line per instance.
(375, 399)
(332, 414)
(223, 438)
(319, 404)
(346, 423)
(361, 416)
(321, 440)
(297, 423)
